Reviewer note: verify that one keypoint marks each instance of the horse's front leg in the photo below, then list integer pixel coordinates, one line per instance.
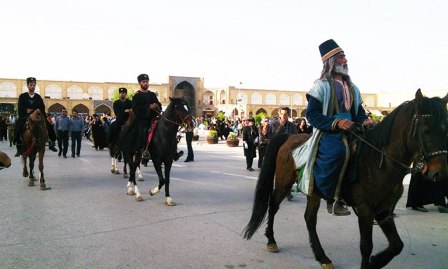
(312, 207)
(169, 201)
(43, 186)
(32, 159)
(113, 166)
(134, 160)
(365, 222)
(158, 168)
(25, 168)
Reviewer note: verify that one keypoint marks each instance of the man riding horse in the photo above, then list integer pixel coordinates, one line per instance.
(146, 107)
(28, 102)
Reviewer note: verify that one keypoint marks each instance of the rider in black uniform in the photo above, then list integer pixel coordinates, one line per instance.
(28, 102)
(146, 105)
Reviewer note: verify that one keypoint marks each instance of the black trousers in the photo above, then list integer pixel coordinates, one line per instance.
(63, 141)
(76, 142)
(189, 139)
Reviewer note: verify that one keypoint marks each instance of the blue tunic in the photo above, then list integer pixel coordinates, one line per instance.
(332, 150)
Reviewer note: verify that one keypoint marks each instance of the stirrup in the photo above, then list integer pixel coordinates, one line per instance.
(145, 155)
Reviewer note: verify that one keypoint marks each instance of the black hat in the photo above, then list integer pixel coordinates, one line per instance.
(30, 80)
(120, 90)
(251, 119)
(328, 49)
(142, 77)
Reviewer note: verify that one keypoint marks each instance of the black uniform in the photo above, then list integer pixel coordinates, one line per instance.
(143, 114)
(249, 135)
(27, 102)
(119, 108)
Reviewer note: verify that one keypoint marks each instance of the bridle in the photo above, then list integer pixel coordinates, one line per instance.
(415, 129)
(179, 115)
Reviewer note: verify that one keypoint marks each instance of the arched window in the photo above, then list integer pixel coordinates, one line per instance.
(53, 91)
(95, 92)
(284, 100)
(8, 89)
(75, 92)
(297, 100)
(222, 97)
(256, 99)
(111, 91)
(271, 99)
(242, 98)
(207, 98)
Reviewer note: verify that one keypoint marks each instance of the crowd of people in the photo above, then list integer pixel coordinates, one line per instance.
(334, 105)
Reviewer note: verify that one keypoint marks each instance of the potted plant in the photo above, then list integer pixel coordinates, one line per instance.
(232, 140)
(212, 137)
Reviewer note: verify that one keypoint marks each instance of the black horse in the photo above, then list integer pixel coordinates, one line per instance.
(416, 130)
(116, 153)
(162, 147)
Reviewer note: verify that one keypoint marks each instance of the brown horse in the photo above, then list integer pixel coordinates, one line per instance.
(5, 161)
(34, 139)
(415, 130)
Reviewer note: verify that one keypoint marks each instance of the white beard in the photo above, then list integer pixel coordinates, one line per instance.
(341, 69)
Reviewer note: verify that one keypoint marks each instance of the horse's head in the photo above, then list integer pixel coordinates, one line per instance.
(182, 111)
(429, 133)
(36, 127)
(5, 161)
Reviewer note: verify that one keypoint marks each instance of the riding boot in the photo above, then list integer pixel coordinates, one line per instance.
(19, 149)
(178, 155)
(52, 146)
(338, 208)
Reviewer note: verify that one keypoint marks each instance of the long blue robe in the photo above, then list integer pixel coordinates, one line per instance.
(325, 155)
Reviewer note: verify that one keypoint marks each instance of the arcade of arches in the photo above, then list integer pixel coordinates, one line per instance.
(92, 97)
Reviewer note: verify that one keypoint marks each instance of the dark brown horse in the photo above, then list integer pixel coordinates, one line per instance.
(5, 161)
(415, 130)
(34, 139)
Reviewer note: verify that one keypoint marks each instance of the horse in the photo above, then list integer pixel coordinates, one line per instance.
(5, 161)
(34, 137)
(162, 147)
(116, 153)
(416, 129)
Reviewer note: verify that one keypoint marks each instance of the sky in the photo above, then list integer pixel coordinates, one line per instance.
(392, 47)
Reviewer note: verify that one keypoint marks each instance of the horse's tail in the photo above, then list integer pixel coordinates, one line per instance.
(265, 186)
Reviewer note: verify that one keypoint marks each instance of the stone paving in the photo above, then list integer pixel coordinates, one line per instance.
(87, 221)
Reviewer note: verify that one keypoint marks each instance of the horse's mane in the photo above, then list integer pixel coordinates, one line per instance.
(380, 134)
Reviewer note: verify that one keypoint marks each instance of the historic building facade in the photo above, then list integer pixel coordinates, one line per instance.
(95, 97)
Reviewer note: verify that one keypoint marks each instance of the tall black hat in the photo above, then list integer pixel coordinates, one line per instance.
(142, 77)
(30, 80)
(328, 49)
(120, 90)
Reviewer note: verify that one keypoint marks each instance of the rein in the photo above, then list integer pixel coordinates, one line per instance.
(415, 127)
(179, 115)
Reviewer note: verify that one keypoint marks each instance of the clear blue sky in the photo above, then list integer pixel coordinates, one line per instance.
(393, 47)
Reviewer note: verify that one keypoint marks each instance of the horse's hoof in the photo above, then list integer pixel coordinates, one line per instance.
(31, 183)
(112, 171)
(154, 191)
(327, 266)
(130, 192)
(44, 187)
(169, 201)
(25, 174)
(139, 199)
(273, 248)
(125, 175)
(117, 172)
(140, 179)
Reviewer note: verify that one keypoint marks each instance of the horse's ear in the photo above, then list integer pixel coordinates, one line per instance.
(445, 98)
(418, 94)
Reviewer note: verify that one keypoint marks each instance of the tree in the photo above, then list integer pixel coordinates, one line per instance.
(116, 95)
